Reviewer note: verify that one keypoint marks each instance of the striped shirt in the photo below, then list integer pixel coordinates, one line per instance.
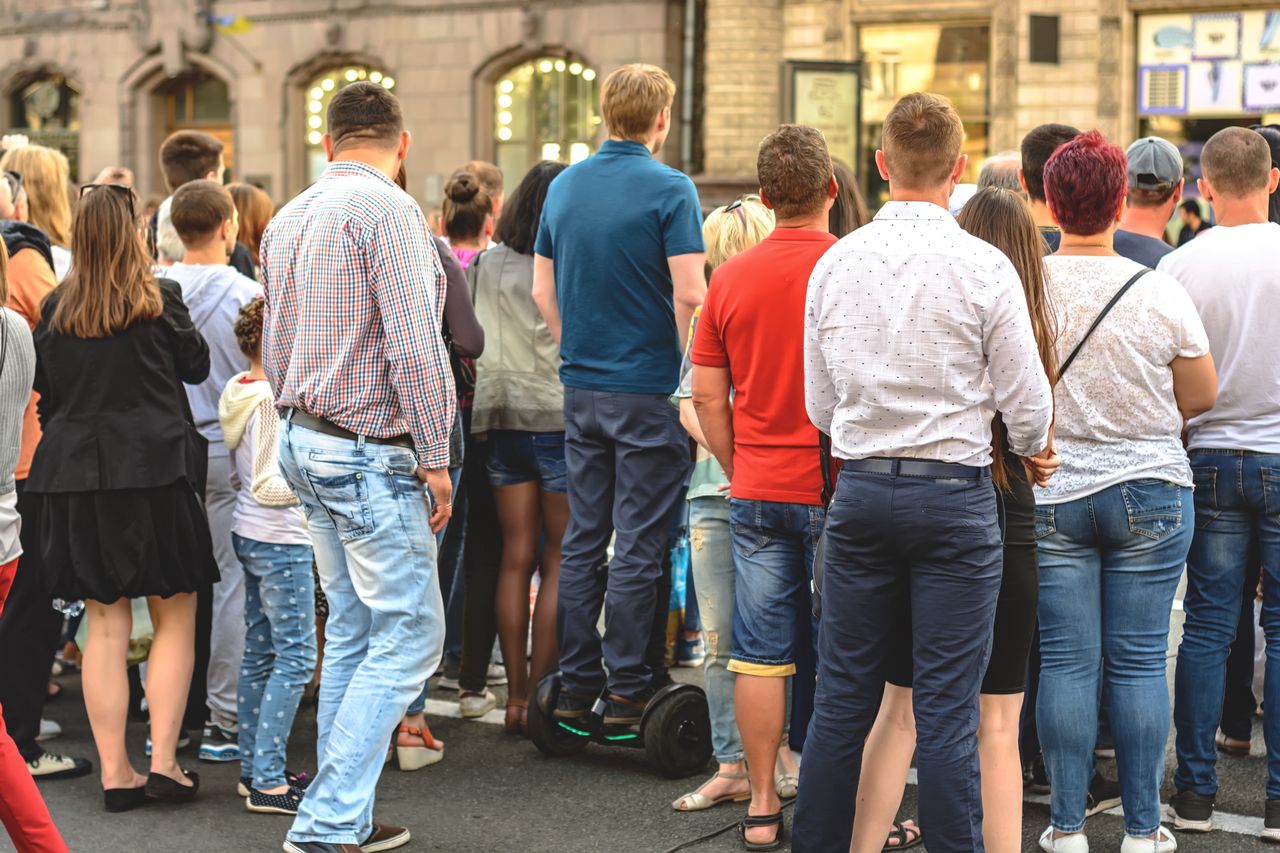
(354, 292)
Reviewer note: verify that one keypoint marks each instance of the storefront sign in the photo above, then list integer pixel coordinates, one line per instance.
(825, 95)
(1211, 64)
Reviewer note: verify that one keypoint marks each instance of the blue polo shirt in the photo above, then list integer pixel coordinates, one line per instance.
(609, 224)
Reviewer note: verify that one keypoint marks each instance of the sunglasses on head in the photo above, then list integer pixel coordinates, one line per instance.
(121, 189)
(14, 180)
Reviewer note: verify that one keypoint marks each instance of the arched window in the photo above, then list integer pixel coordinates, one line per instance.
(544, 110)
(319, 93)
(47, 110)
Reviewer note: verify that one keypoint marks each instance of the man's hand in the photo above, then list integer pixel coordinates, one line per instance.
(441, 488)
(1043, 465)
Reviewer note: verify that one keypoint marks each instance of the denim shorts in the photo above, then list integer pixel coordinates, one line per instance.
(527, 457)
(773, 545)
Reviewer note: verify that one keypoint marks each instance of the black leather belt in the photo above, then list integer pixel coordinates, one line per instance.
(311, 422)
(916, 468)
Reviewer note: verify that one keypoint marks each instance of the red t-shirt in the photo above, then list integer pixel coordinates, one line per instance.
(753, 324)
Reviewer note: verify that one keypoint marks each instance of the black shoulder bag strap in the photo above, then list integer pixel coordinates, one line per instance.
(1101, 316)
(820, 550)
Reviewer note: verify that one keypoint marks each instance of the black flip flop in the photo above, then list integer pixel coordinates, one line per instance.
(903, 836)
(752, 821)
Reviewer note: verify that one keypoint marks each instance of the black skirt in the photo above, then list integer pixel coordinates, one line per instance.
(125, 543)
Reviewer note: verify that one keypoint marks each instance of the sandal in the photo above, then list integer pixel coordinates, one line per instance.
(752, 821)
(417, 757)
(517, 717)
(696, 801)
(787, 785)
(1231, 746)
(906, 834)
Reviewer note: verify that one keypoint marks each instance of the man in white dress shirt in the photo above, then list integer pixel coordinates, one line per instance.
(907, 319)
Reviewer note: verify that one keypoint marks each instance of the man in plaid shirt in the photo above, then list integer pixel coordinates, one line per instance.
(353, 350)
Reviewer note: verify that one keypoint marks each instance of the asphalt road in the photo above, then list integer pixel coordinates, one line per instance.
(493, 792)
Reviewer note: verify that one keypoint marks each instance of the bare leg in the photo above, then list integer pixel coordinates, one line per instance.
(886, 758)
(1001, 772)
(546, 650)
(168, 678)
(106, 689)
(518, 516)
(761, 706)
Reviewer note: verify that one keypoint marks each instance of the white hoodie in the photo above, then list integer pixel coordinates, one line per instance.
(266, 508)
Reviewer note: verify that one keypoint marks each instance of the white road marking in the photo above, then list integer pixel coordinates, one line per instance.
(1222, 821)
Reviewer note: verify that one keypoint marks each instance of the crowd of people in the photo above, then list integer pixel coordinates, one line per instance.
(942, 471)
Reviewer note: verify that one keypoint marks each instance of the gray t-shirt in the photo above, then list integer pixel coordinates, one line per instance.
(17, 370)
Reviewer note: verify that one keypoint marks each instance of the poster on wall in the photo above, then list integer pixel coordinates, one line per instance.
(825, 95)
(1208, 64)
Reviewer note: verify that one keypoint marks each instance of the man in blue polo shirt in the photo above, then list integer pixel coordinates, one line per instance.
(618, 272)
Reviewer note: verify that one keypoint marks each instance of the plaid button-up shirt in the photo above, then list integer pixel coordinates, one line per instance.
(354, 292)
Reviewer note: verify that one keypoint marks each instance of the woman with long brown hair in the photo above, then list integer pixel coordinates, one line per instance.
(117, 475)
(255, 209)
(1001, 218)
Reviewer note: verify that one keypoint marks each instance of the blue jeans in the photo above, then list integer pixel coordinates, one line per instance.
(628, 458)
(931, 534)
(773, 545)
(457, 589)
(711, 561)
(517, 456)
(1109, 568)
(369, 518)
(279, 652)
(1237, 523)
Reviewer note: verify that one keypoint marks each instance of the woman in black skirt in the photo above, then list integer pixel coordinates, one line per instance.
(117, 475)
(1001, 218)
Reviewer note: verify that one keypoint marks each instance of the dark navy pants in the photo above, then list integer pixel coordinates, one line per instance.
(628, 458)
(928, 530)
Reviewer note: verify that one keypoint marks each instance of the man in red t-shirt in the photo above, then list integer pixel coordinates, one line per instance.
(751, 339)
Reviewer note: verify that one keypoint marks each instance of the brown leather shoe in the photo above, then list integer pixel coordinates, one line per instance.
(385, 837)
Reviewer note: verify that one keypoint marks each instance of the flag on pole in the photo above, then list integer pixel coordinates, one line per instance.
(231, 25)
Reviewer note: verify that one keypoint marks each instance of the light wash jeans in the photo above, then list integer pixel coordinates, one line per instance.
(369, 518)
(1109, 568)
(279, 653)
(455, 477)
(1237, 523)
(711, 560)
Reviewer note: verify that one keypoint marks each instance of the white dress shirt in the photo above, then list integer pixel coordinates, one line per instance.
(906, 320)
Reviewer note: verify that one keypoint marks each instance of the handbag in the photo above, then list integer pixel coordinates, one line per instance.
(824, 443)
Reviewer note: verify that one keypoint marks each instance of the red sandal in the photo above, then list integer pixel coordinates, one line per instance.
(417, 757)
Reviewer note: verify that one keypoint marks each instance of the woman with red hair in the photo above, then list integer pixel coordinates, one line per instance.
(1114, 526)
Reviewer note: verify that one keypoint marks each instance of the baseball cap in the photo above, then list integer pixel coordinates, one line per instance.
(1154, 164)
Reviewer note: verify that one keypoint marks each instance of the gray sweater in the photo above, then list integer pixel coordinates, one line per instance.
(17, 369)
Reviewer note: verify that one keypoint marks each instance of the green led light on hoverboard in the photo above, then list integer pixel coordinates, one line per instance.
(570, 728)
(621, 737)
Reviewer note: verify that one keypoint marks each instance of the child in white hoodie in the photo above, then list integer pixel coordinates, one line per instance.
(273, 546)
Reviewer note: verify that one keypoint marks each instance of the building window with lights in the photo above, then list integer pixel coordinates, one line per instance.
(318, 94)
(946, 59)
(47, 110)
(544, 110)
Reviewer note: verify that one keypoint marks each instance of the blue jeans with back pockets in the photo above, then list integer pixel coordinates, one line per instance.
(279, 652)
(370, 523)
(1109, 568)
(1237, 524)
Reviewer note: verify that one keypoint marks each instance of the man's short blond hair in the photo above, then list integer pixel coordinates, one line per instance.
(923, 135)
(632, 97)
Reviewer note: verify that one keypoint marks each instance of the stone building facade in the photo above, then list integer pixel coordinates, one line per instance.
(518, 80)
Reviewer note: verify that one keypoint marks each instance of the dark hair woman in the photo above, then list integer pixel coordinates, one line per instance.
(1114, 525)
(468, 216)
(849, 213)
(117, 476)
(519, 406)
(1271, 133)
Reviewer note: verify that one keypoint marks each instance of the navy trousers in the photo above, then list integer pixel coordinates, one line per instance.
(628, 457)
(929, 531)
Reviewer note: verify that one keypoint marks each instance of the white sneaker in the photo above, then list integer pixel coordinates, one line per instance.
(1073, 843)
(497, 675)
(48, 731)
(1164, 842)
(474, 705)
